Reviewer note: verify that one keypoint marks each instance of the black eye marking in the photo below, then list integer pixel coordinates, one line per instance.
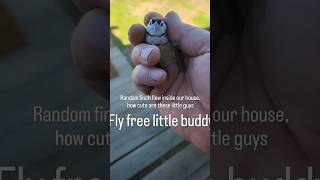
(161, 24)
(153, 21)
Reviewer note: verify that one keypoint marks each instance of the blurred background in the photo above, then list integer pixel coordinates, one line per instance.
(36, 69)
(124, 13)
(148, 152)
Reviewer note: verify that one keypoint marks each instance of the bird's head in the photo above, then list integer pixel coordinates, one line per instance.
(156, 27)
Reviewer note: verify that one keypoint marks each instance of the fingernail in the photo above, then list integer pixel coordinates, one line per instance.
(156, 75)
(145, 53)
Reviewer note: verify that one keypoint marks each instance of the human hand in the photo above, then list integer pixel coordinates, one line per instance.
(267, 58)
(195, 81)
(90, 46)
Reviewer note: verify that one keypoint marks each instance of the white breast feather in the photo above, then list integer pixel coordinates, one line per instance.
(156, 40)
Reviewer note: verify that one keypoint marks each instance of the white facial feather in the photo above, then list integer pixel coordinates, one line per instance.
(156, 27)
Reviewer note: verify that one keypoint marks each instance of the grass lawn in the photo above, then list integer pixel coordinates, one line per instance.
(124, 13)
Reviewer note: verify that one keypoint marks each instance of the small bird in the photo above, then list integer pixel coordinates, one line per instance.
(157, 35)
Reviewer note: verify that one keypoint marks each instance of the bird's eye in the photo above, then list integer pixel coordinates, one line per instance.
(161, 24)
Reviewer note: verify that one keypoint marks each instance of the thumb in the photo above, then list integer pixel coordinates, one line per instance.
(191, 40)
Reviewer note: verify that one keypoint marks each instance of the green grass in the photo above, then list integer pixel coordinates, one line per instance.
(201, 20)
(124, 13)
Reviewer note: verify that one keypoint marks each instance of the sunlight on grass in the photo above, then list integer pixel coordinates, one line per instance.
(124, 13)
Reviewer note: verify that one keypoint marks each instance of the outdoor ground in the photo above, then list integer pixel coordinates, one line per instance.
(124, 13)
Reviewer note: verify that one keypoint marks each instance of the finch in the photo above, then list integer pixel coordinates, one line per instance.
(157, 35)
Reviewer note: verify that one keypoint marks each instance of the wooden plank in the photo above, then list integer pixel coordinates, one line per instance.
(124, 70)
(121, 109)
(144, 113)
(121, 81)
(144, 155)
(130, 137)
(122, 84)
(113, 71)
(181, 165)
(134, 137)
(120, 62)
(125, 88)
(114, 53)
(202, 173)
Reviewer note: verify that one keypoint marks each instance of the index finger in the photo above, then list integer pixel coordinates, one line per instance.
(137, 32)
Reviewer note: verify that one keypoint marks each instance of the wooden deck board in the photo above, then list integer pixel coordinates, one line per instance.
(121, 110)
(145, 155)
(179, 166)
(139, 151)
(130, 139)
(202, 173)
